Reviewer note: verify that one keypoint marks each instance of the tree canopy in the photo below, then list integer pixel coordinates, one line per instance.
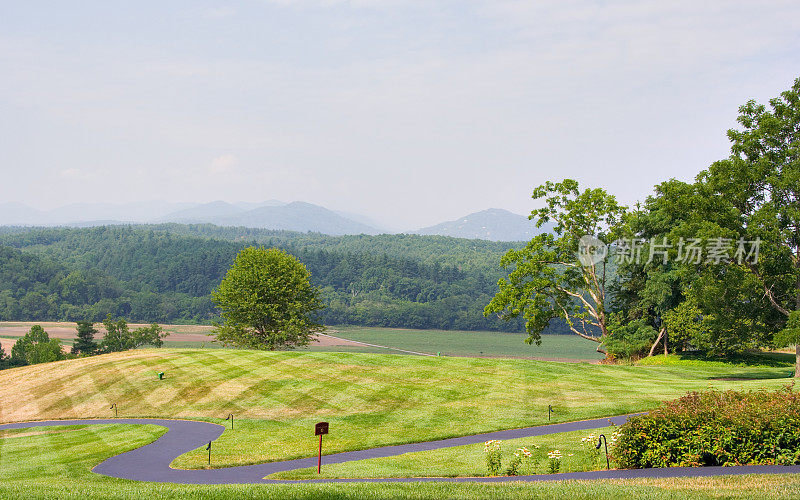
(560, 275)
(36, 347)
(119, 337)
(267, 301)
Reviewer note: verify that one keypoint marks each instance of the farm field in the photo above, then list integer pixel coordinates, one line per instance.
(369, 399)
(447, 342)
(475, 344)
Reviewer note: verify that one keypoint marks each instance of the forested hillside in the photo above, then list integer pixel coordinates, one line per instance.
(165, 273)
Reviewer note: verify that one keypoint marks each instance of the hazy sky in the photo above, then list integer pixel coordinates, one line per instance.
(412, 112)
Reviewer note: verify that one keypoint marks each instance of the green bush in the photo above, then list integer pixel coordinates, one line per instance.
(715, 428)
(629, 340)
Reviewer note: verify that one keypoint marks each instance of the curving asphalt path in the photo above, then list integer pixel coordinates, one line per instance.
(151, 462)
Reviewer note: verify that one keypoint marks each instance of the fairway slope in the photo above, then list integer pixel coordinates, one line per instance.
(369, 399)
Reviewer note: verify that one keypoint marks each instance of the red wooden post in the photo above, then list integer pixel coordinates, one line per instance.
(319, 458)
(320, 429)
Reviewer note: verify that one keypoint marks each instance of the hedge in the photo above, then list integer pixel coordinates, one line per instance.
(715, 428)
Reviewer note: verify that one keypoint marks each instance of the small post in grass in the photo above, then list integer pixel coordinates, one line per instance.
(600, 440)
(320, 429)
(549, 411)
(114, 407)
(230, 417)
(209, 452)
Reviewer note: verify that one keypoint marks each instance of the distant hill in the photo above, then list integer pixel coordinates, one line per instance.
(494, 224)
(17, 213)
(271, 214)
(297, 216)
(87, 214)
(203, 213)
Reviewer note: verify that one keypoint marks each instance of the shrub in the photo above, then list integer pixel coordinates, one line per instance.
(522, 454)
(629, 340)
(715, 428)
(493, 457)
(555, 461)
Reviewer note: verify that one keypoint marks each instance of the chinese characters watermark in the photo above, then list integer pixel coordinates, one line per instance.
(592, 250)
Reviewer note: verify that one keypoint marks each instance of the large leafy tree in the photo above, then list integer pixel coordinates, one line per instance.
(267, 301)
(693, 302)
(36, 347)
(549, 278)
(760, 181)
(119, 337)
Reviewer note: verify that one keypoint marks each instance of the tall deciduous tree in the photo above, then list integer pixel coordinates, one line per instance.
(548, 279)
(36, 347)
(725, 307)
(760, 180)
(267, 301)
(120, 338)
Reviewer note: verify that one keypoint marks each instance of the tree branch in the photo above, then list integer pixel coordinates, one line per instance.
(574, 330)
(768, 291)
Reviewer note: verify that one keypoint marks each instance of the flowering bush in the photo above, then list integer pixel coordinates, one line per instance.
(615, 436)
(520, 455)
(714, 428)
(493, 457)
(555, 461)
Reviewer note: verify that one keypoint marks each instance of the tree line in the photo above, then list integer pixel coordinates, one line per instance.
(150, 273)
(36, 346)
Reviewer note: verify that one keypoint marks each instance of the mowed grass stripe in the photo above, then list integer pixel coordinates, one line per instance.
(32, 468)
(370, 400)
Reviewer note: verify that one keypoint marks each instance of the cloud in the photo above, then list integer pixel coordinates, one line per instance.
(224, 164)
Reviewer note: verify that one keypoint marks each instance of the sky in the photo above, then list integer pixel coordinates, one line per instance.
(410, 112)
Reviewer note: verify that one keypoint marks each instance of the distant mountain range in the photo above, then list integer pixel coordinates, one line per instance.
(294, 216)
(493, 224)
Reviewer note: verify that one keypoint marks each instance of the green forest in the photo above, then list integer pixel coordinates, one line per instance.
(165, 273)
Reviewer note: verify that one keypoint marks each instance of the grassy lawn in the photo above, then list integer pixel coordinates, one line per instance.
(56, 463)
(55, 454)
(464, 343)
(470, 460)
(369, 399)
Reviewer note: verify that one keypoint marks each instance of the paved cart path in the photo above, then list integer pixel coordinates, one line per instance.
(151, 462)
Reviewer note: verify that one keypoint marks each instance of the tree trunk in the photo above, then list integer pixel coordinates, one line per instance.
(655, 344)
(666, 337)
(797, 361)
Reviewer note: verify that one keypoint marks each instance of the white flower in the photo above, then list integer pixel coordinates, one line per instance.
(491, 445)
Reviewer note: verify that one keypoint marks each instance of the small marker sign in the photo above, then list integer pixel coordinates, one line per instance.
(319, 430)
